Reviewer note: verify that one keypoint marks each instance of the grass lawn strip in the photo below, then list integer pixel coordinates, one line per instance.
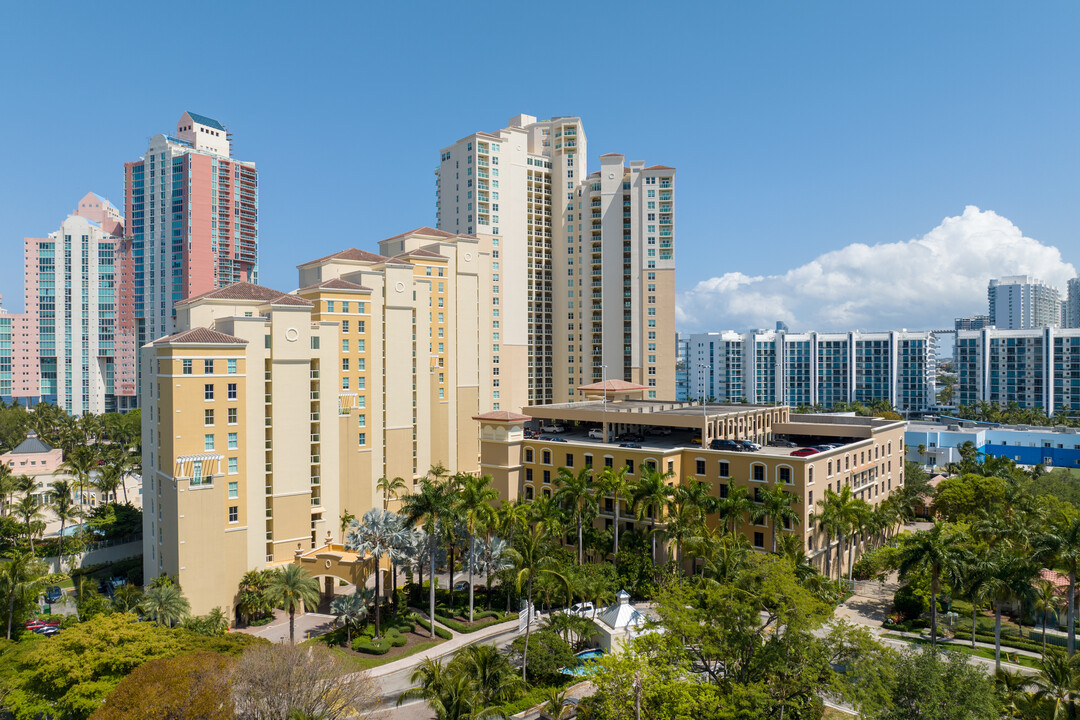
(980, 652)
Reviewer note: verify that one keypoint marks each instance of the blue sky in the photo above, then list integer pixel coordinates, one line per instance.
(797, 128)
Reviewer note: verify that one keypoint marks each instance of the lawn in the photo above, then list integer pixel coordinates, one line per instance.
(980, 652)
(366, 662)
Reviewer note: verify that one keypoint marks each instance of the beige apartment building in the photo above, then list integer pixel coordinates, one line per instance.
(268, 415)
(676, 440)
(589, 257)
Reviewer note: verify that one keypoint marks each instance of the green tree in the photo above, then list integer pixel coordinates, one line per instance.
(1045, 601)
(252, 599)
(65, 510)
(650, 494)
(474, 503)
(351, 611)
(615, 483)
(1061, 547)
(495, 679)
(165, 605)
(188, 686)
(935, 552)
(390, 488)
(378, 535)
(291, 588)
(81, 461)
(735, 508)
(533, 561)
(28, 510)
(776, 509)
(427, 508)
(576, 492)
(930, 686)
(22, 579)
(1058, 684)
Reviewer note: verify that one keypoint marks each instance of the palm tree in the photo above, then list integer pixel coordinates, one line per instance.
(576, 491)
(127, 598)
(556, 702)
(454, 698)
(490, 670)
(614, 482)
(684, 522)
(352, 611)
(28, 508)
(474, 502)
(165, 605)
(252, 600)
(81, 461)
(1012, 576)
(532, 563)
(1045, 601)
(934, 551)
(110, 478)
(390, 489)
(21, 576)
(1058, 683)
(735, 507)
(1062, 547)
(650, 495)
(428, 507)
(548, 514)
(973, 575)
(65, 509)
(7, 488)
(291, 588)
(776, 509)
(378, 535)
(488, 558)
(835, 516)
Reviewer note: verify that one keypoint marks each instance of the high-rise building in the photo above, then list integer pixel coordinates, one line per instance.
(1072, 304)
(69, 346)
(193, 217)
(1034, 368)
(1019, 302)
(814, 369)
(971, 322)
(268, 415)
(594, 248)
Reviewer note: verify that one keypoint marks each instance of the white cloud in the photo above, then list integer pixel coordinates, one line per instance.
(920, 284)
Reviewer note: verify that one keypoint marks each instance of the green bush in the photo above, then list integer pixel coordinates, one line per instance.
(397, 639)
(439, 632)
(909, 602)
(465, 628)
(365, 644)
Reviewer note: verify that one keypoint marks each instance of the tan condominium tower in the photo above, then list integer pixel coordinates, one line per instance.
(268, 415)
(586, 260)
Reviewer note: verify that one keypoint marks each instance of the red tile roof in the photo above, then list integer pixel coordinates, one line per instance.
(422, 231)
(245, 291)
(611, 155)
(659, 167)
(502, 415)
(351, 254)
(201, 336)
(335, 284)
(420, 252)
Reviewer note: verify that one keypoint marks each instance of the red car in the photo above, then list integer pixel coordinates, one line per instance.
(803, 452)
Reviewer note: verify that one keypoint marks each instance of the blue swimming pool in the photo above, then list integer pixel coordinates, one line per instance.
(586, 658)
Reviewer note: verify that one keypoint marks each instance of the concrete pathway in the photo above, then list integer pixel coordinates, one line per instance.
(455, 643)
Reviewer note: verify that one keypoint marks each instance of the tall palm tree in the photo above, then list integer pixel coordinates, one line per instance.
(1061, 547)
(109, 479)
(81, 461)
(615, 483)
(7, 488)
(576, 491)
(532, 562)
(776, 509)
(65, 509)
(21, 576)
(1045, 601)
(935, 551)
(488, 558)
(251, 598)
(390, 488)
(735, 507)
(428, 507)
(1058, 684)
(292, 588)
(650, 494)
(835, 517)
(352, 611)
(512, 516)
(475, 504)
(548, 514)
(378, 535)
(684, 522)
(490, 670)
(973, 576)
(165, 605)
(1013, 573)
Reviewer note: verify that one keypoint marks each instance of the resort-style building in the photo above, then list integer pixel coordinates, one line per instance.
(1020, 302)
(1034, 368)
(586, 260)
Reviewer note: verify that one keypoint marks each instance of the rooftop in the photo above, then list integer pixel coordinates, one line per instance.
(203, 120)
(201, 336)
(32, 445)
(336, 284)
(247, 292)
(352, 254)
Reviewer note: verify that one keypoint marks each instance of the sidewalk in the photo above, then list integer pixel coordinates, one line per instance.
(967, 643)
(455, 643)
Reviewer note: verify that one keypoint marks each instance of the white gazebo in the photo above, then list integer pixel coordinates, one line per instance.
(619, 623)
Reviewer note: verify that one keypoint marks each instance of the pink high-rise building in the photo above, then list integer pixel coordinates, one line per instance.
(192, 223)
(67, 347)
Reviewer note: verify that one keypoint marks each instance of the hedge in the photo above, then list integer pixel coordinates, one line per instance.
(463, 628)
(392, 638)
(439, 632)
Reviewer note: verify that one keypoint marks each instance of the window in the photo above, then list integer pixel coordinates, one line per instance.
(629, 467)
(759, 473)
(232, 391)
(234, 514)
(344, 364)
(234, 466)
(609, 461)
(232, 366)
(528, 475)
(785, 475)
(547, 476)
(344, 326)
(362, 439)
(528, 455)
(208, 367)
(724, 469)
(345, 345)
(233, 442)
(232, 416)
(700, 467)
(723, 490)
(588, 460)
(757, 495)
(187, 367)
(569, 460)
(208, 391)
(759, 540)
(234, 490)
(545, 457)
(528, 493)
(208, 418)
(208, 441)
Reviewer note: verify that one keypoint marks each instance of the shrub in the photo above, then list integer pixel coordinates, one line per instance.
(439, 632)
(909, 602)
(371, 647)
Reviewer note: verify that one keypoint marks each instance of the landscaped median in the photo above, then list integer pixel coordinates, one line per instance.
(400, 638)
(457, 619)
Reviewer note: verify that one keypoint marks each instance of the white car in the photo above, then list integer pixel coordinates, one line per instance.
(596, 434)
(660, 431)
(551, 428)
(582, 609)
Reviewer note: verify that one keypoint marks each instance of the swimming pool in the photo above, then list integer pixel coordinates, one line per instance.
(586, 658)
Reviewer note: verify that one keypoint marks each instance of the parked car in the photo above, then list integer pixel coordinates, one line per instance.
(784, 443)
(729, 445)
(31, 624)
(53, 594)
(552, 428)
(632, 446)
(749, 445)
(46, 630)
(554, 439)
(581, 609)
(462, 585)
(659, 431)
(826, 448)
(596, 434)
(804, 452)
